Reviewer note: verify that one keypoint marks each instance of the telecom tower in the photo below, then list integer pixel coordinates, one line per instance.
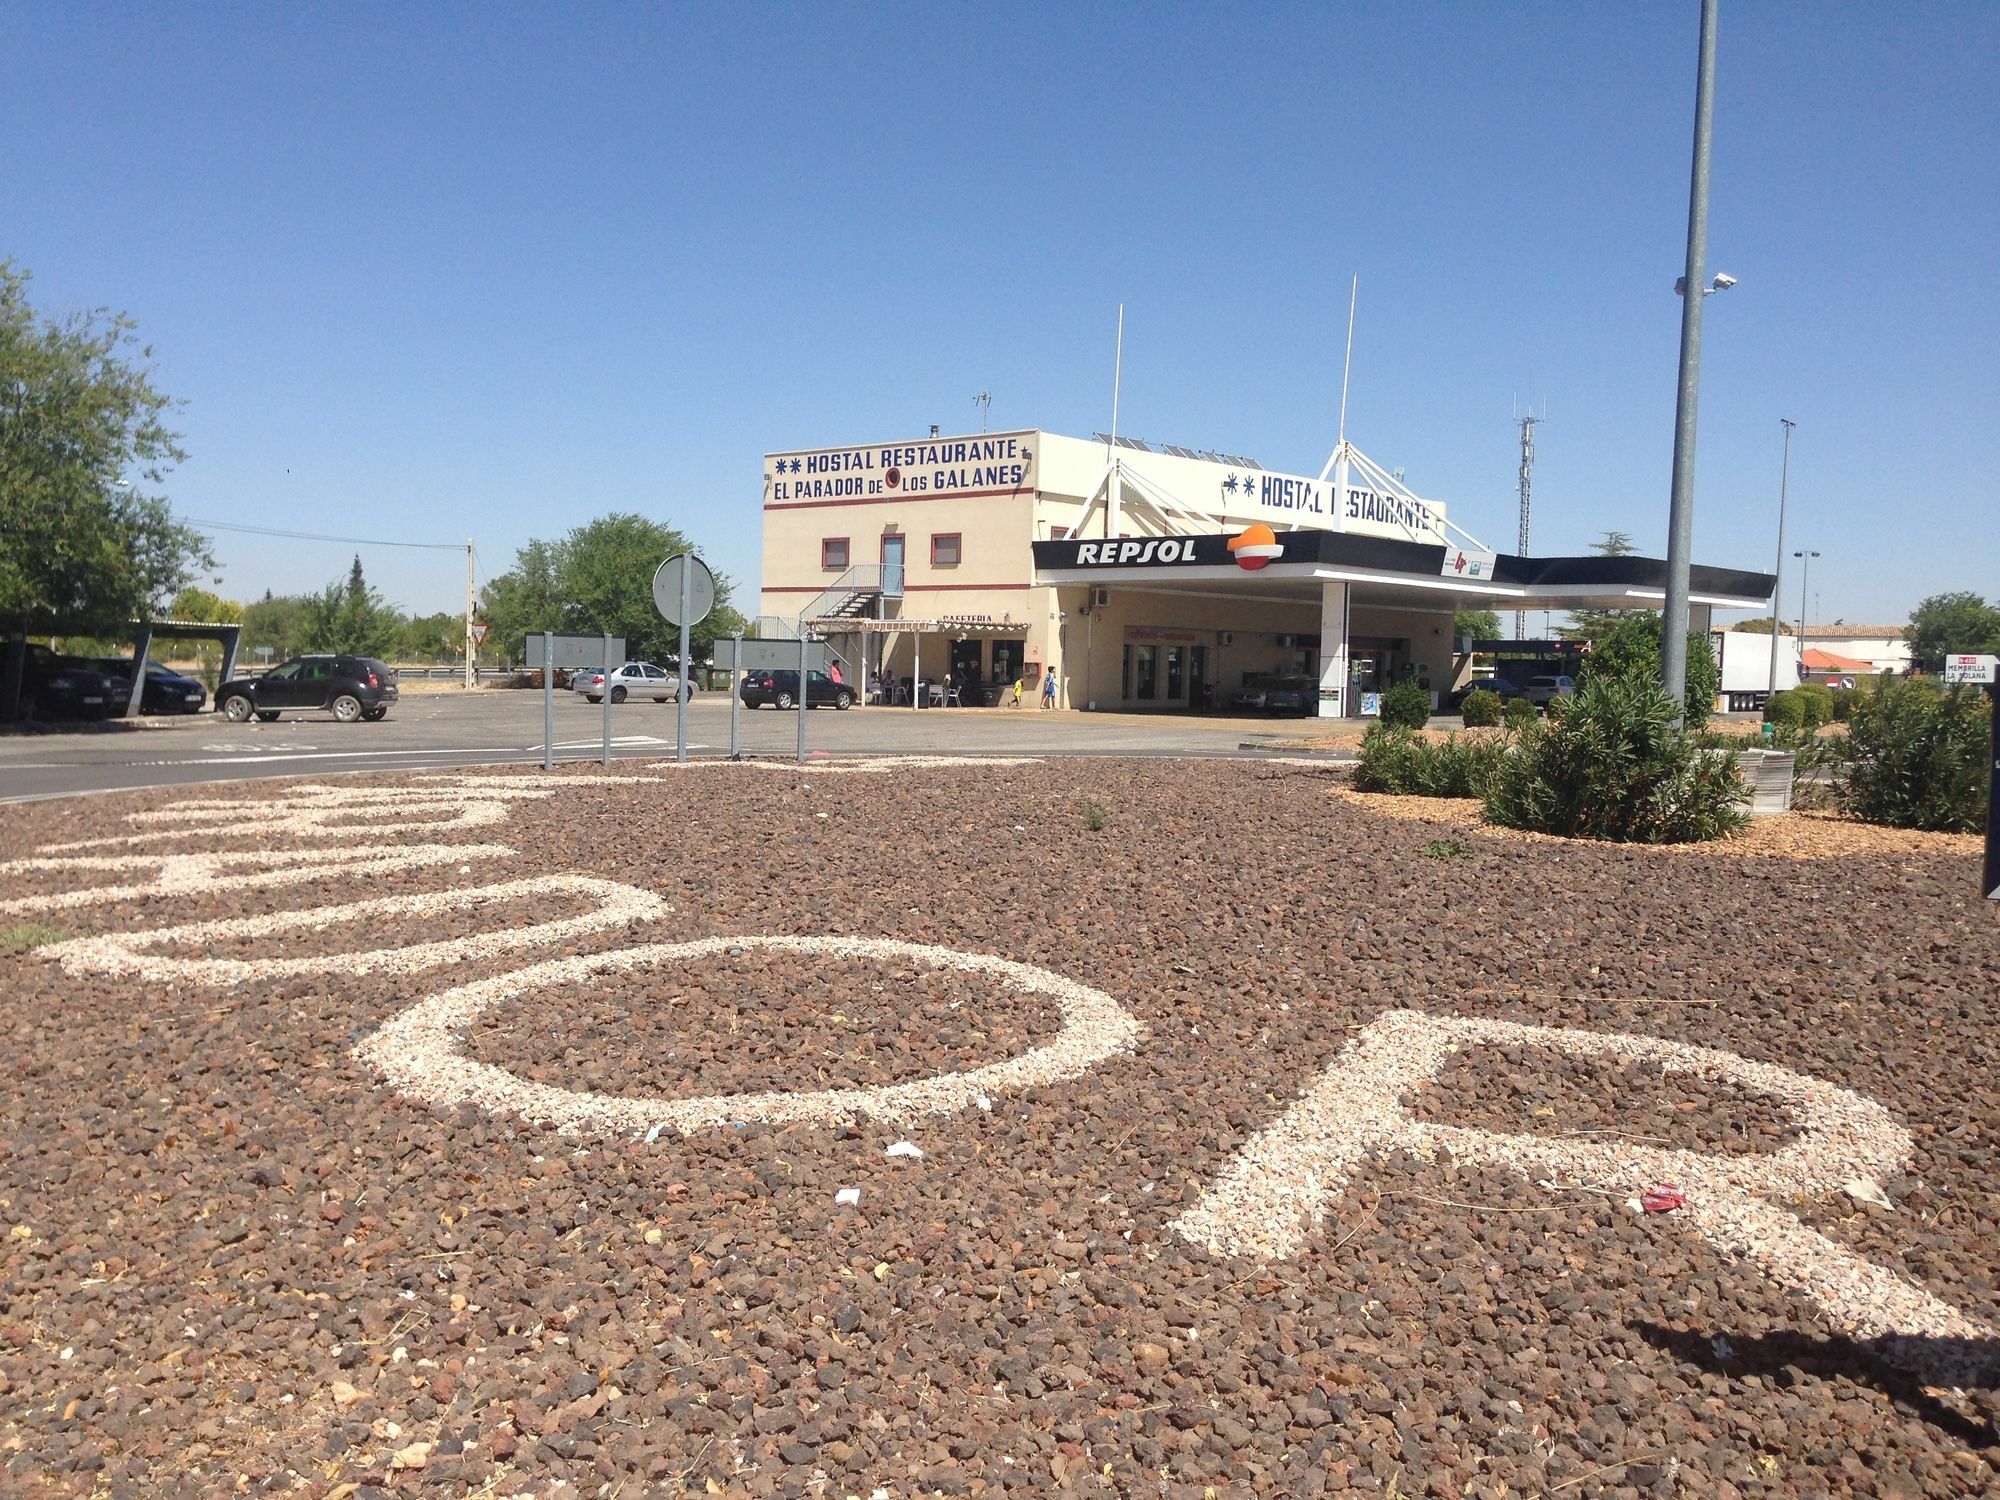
(1527, 425)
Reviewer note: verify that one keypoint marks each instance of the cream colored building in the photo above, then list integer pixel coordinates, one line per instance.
(1141, 573)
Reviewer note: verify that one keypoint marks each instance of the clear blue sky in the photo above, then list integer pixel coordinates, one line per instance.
(490, 270)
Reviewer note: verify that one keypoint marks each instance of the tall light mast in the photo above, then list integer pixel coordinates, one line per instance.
(1527, 424)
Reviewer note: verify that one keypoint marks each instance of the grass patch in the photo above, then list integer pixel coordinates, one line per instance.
(1446, 849)
(1095, 814)
(23, 937)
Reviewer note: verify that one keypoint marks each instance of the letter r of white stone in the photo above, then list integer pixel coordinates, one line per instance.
(1273, 1196)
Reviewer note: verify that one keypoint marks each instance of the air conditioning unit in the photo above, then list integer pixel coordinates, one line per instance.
(1100, 598)
(1225, 637)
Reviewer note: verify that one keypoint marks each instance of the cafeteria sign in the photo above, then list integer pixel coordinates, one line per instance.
(993, 463)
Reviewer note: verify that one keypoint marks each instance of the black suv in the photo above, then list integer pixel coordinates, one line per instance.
(348, 687)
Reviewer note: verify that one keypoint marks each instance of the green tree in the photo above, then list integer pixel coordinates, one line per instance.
(1759, 625)
(1630, 651)
(1476, 625)
(274, 621)
(599, 580)
(439, 637)
(83, 546)
(1589, 624)
(351, 617)
(1947, 623)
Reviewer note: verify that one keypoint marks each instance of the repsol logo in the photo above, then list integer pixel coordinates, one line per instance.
(1136, 550)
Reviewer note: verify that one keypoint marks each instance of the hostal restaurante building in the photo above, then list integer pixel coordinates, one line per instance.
(1150, 576)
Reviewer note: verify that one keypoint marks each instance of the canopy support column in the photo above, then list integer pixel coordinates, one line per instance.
(1333, 603)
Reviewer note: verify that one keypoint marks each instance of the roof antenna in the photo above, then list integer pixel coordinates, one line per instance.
(1353, 296)
(1117, 375)
(983, 399)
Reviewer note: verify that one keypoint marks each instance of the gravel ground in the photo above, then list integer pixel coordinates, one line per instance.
(235, 1258)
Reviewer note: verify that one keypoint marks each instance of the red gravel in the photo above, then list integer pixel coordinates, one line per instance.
(231, 1260)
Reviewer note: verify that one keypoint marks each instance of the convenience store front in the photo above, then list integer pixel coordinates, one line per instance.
(1164, 623)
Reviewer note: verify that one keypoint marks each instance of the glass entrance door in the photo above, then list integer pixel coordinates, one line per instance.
(892, 565)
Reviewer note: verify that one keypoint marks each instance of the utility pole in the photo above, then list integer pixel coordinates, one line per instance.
(470, 645)
(1777, 584)
(1527, 486)
(1680, 514)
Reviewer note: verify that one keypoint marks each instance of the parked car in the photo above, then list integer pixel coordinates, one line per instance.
(1291, 695)
(1255, 690)
(1499, 687)
(780, 689)
(67, 687)
(1544, 690)
(166, 691)
(348, 687)
(635, 679)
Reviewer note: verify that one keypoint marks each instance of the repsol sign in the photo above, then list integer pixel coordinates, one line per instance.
(1136, 552)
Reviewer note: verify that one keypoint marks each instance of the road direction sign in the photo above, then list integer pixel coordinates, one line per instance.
(767, 655)
(667, 589)
(1965, 668)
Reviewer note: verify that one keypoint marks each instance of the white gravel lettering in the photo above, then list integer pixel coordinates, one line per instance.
(127, 952)
(1279, 1187)
(420, 1053)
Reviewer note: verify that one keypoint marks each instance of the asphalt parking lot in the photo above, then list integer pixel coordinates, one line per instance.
(429, 730)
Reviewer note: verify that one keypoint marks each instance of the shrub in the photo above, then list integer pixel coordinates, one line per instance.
(1816, 698)
(1916, 757)
(1616, 765)
(1631, 649)
(1785, 709)
(1481, 709)
(1520, 714)
(1843, 704)
(1406, 706)
(1399, 761)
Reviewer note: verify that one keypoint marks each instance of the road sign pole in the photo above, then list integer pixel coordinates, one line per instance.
(803, 680)
(681, 703)
(736, 697)
(1993, 801)
(548, 700)
(608, 669)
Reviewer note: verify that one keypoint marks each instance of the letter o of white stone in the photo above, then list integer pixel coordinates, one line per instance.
(421, 1052)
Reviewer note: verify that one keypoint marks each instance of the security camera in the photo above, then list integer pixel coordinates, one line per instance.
(1724, 281)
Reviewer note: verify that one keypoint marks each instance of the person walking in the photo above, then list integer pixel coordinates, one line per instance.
(1016, 703)
(1049, 689)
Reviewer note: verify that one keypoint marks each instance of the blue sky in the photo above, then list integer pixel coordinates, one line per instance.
(433, 272)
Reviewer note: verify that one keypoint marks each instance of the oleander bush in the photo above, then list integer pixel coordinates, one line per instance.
(1403, 762)
(1618, 764)
(1481, 709)
(1406, 706)
(1916, 756)
(1631, 649)
(1519, 714)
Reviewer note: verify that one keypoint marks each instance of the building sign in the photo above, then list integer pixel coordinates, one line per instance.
(1319, 502)
(995, 463)
(1467, 562)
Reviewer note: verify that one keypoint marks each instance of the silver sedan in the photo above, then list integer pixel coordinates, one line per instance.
(635, 679)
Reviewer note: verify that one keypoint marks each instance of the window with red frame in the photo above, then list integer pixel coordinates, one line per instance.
(1058, 533)
(946, 547)
(833, 552)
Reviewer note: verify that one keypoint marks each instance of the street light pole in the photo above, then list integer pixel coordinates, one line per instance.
(1805, 574)
(1680, 515)
(1778, 583)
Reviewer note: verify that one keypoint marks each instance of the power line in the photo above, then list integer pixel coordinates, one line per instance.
(315, 536)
